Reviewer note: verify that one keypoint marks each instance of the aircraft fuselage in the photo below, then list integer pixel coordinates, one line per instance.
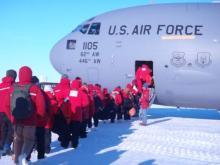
(181, 42)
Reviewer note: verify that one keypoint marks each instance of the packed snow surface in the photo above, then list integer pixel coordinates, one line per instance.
(172, 137)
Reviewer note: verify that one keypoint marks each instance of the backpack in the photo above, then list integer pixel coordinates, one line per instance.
(21, 104)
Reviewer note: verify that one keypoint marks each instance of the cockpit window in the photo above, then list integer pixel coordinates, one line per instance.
(94, 28)
(84, 28)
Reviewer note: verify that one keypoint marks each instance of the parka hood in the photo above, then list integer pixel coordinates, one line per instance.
(76, 84)
(8, 80)
(25, 74)
(91, 88)
(65, 82)
(105, 91)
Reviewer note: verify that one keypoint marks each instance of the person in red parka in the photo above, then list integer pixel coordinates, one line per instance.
(144, 105)
(6, 127)
(53, 107)
(62, 89)
(109, 106)
(24, 136)
(145, 74)
(105, 114)
(137, 94)
(85, 108)
(61, 92)
(98, 90)
(98, 102)
(117, 96)
(41, 122)
(76, 103)
(91, 105)
(128, 101)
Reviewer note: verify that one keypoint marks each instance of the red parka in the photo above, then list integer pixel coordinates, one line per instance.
(85, 102)
(144, 100)
(61, 92)
(145, 74)
(117, 96)
(91, 101)
(99, 92)
(53, 107)
(139, 85)
(5, 90)
(25, 74)
(75, 98)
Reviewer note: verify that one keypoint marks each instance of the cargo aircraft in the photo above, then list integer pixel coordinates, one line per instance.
(179, 42)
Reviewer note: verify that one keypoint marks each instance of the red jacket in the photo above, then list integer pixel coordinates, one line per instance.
(53, 107)
(5, 90)
(117, 96)
(99, 92)
(37, 98)
(61, 92)
(91, 101)
(91, 106)
(144, 100)
(145, 74)
(85, 102)
(139, 85)
(137, 74)
(76, 101)
(42, 121)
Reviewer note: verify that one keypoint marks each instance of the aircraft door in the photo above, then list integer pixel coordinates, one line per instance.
(140, 63)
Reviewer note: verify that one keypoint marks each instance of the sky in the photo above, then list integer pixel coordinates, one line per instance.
(30, 28)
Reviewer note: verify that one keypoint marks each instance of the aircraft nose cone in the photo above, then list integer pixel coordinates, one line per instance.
(55, 58)
(61, 55)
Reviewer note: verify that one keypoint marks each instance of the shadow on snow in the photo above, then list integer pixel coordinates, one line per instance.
(103, 141)
(100, 151)
(184, 113)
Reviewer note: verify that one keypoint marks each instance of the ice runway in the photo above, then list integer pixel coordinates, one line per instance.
(172, 137)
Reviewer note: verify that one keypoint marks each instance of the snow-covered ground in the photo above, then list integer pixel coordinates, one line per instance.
(172, 137)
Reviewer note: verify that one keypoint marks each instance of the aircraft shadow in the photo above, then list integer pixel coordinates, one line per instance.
(148, 162)
(158, 121)
(184, 113)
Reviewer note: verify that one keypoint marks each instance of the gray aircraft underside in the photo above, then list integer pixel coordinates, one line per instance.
(180, 42)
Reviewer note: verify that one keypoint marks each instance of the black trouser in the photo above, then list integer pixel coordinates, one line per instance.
(112, 115)
(126, 114)
(83, 132)
(6, 132)
(47, 140)
(64, 136)
(89, 122)
(96, 119)
(75, 132)
(118, 111)
(40, 142)
(137, 105)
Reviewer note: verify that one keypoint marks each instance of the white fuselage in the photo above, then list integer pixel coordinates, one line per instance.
(181, 40)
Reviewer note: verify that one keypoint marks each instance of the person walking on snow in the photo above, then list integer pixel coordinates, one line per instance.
(144, 105)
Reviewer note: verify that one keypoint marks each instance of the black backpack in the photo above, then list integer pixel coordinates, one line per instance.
(21, 104)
